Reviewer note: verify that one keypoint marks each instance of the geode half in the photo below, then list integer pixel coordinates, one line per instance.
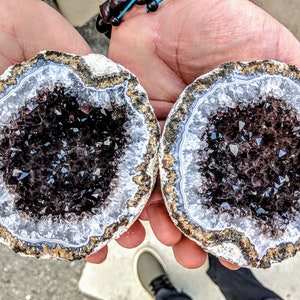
(78, 154)
(229, 162)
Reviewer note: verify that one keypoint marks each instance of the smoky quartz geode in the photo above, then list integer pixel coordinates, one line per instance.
(78, 147)
(229, 162)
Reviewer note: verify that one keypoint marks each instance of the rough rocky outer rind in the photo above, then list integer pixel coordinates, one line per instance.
(99, 79)
(242, 244)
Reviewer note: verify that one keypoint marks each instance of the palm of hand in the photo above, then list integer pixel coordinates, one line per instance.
(168, 49)
(28, 27)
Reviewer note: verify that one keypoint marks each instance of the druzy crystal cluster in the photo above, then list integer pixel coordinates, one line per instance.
(229, 162)
(78, 158)
(251, 162)
(78, 154)
(59, 157)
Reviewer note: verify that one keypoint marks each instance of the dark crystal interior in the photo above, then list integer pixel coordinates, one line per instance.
(59, 157)
(253, 161)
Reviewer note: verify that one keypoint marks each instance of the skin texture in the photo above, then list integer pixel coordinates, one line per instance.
(167, 50)
(176, 44)
(20, 40)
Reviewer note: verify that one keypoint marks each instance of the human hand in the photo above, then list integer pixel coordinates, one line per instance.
(168, 49)
(28, 27)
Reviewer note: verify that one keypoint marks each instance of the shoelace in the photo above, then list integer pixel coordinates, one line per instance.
(161, 282)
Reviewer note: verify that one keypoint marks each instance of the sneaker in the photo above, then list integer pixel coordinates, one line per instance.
(151, 272)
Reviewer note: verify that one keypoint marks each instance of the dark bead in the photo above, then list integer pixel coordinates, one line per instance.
(108, 33)
(152, 6)
(118, 5)
(105, 12)
(115, 21)
(141, 2)
(101, 26)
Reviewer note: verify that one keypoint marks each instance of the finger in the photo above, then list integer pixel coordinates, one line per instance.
(161, 224)
(144, 216)
(161, 108)
(98, 257)
(133, 237)
(228, 264)
(189, 254)
(155, 197)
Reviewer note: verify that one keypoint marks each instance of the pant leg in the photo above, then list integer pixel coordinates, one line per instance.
(165, 294)
(239, 284)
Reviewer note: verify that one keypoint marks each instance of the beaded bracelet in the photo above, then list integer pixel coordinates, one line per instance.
(112, 11)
